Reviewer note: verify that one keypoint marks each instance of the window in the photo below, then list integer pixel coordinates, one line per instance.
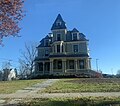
(40, 66)
(46, 42)
(71, 64)
(74, 36)
(75, 48)
(58, 37)
(59, 64)
(46, 52)
(58, 48)
(58, 23)
(81, 64)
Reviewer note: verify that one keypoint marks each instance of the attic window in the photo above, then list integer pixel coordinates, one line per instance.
(75, 36)
(58, 23)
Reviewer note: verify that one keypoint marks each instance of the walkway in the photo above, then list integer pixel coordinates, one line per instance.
(26, 92)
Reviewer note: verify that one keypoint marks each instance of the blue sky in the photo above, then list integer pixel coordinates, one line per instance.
(99, 20)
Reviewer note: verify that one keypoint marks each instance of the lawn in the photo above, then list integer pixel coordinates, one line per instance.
(7, 87)
(85, 85)
(89, 101)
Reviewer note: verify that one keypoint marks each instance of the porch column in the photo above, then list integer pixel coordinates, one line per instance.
(43, 67)
(87, 64)
(51, 66)
(55, 48)
(61, 47)
(64, 48)
(76, 65)
(64, 65)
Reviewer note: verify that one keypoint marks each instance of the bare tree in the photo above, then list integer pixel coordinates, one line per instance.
(118, 73)
(6, 64)
(1, 75)
(27, 59)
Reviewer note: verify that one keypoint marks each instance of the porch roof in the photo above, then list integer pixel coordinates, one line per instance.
(41, 59)
(70, 55)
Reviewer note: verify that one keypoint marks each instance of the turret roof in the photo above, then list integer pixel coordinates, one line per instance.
(59, 23)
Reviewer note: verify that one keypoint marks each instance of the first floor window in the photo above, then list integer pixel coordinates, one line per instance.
(71, 64)
(59, 64)
(40, 66)
(81, 64)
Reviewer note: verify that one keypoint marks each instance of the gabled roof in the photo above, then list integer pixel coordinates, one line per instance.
(61, 24)
(43, 40)
(75, 30)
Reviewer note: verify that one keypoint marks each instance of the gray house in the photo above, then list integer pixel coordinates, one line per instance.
(63, 52)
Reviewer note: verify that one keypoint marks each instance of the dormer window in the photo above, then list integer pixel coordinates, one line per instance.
(46, 42)
(74, 36)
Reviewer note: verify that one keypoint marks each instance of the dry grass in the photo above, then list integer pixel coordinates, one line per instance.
(85, 85)
(7, 87)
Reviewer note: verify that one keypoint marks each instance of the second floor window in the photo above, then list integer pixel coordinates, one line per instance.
(58, 37)
(75, 48)
(46, 52)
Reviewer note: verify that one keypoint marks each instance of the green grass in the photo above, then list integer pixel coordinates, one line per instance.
(7, 87)
(84, 85)
(89, 101)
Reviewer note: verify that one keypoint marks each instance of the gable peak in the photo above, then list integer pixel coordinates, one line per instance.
(59, 23)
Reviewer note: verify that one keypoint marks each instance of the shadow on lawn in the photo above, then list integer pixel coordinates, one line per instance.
(67, 102)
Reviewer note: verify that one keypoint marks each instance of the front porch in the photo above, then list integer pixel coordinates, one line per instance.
(69, 66)
(63, 66)
(42, 68)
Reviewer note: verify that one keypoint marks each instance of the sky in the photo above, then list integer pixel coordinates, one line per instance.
(99, 20)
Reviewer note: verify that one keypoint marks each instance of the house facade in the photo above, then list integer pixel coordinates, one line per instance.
(63, 52)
